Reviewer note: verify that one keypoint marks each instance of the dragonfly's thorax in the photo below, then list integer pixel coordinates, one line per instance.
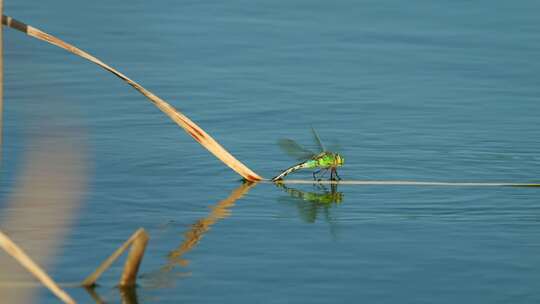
(327, 160)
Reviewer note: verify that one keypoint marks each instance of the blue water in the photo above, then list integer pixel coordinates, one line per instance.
(411, 90)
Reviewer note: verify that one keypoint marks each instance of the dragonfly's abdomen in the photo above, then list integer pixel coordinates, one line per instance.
(307, 164)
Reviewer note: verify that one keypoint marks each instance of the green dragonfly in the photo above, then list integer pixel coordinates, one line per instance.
(323, 161)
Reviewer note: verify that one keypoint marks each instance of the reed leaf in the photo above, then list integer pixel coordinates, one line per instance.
(406, 183)
(1, 77)
(183, 121)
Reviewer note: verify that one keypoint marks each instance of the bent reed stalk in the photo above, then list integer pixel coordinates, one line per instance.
(183, 121)
(137, 242)
(403, 183)
(1, 78)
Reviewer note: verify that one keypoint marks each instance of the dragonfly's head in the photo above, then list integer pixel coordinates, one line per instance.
(339, 160)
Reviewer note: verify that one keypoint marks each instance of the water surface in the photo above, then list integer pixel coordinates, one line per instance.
(415, 90)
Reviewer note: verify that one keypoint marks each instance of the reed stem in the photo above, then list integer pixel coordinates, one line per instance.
(138, 241)
(1, 77)
(180, 119)
(404, 183)
(20, 256)
(134, 259)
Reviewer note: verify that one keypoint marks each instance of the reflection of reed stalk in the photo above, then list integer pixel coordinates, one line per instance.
(183, 121)
(127, 294)
(194, 235)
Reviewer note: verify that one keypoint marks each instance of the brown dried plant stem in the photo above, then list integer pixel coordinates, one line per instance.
(134, 259)
(138, 242)
(1, 78)
(183, 121)
(18, 254)
(405, 183)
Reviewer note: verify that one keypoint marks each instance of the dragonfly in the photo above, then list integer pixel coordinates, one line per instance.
(323, 161)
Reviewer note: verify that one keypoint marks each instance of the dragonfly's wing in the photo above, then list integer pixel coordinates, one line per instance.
(335, 147)
(318, 141)
(295, 150)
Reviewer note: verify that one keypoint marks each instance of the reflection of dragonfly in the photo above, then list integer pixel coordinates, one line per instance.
(319, 198)
(323, 161)
(311, 203)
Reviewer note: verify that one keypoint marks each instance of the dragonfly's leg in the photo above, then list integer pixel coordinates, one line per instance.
(337, 175)
(315, 173)
(323, 174)
(334, 175)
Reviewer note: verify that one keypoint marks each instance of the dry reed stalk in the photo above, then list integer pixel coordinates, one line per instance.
(183, 121)
(135, 256)
(1, 77)
(193, 236)
(138, 242)
(18, 254)
(39, 212)
(405, 183)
